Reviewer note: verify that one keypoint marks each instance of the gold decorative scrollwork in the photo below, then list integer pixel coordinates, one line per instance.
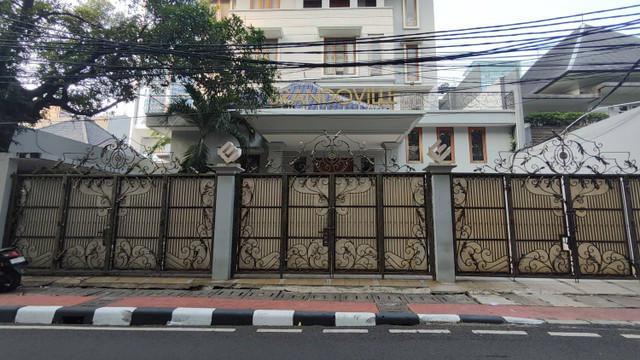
(474, 257)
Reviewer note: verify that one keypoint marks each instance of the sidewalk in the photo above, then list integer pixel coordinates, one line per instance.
(406, 301)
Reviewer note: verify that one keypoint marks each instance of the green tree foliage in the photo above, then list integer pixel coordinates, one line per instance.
(557, 118)
(89, 57)
(209, 115)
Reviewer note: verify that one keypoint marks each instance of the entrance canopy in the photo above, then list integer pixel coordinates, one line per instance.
(291, 126)
(304, 110)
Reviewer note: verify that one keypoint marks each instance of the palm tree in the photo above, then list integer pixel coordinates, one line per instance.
(210, 115)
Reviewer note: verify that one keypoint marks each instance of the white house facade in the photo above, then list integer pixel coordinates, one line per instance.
(384, 98)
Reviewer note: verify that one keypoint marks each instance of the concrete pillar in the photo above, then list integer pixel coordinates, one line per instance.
(445, 266)
(223, 232)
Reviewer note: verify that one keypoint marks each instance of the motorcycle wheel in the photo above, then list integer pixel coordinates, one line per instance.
(9, 281)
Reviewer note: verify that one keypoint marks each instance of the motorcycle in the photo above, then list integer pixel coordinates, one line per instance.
(11, 269)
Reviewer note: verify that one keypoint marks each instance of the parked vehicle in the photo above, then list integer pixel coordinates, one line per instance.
(11, 269)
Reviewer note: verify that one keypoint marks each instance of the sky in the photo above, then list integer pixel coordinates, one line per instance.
(448, 16)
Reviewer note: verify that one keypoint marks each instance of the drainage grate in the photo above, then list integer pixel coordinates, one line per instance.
(356, 298)
(262, 295)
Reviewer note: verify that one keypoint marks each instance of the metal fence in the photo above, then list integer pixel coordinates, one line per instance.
(547, 225)
(113, 223)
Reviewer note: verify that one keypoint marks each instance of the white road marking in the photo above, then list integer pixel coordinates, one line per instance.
(631, 336)
(573, 334)
(279, 330)
(419, 331)
(499, 332)
(100, 328)
(345, 331)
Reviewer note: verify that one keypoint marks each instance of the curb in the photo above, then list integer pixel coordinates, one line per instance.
(140, 316)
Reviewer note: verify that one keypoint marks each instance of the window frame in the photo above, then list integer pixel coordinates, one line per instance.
(263, 2)
(420, 149)
(219, 3)
(408, 67)
(332, 71)
(484, 145)
(375, 4)
(312, 7)
(405, 24)
(453, 147)
(348, 4)
(375, 54)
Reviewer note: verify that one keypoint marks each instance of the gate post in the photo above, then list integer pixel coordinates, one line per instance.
(223, 231)
(445, 269)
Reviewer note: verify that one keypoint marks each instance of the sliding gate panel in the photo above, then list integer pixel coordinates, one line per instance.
(190, 223)
(406, 228)
(88, 223)
(310, 224)
(480, 220)
(356, 242)
(539, 225)
(36, 218)
(601, 237)
(259, 231)
(138, 237)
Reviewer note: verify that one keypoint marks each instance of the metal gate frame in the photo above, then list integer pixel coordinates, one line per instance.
(268, 261)
(601, 260)
(197, 253)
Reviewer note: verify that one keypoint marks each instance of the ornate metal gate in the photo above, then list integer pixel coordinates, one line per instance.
(333, 223)
(329, 212)
(111, 223)
(561, 224)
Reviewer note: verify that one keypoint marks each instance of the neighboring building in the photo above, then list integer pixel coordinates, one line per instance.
(582, 71)
(392, 108)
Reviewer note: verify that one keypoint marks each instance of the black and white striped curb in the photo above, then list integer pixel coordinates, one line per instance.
(132, 316)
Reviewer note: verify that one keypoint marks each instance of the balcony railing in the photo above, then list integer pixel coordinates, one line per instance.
(477, 101)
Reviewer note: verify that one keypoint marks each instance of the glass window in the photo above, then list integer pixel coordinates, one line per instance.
(478, 145)
(366, 3)
(412, 69)
(411, 13)
(414, 146)
(269, 50)
(339, 3)
(375, 55)
(223, 7)
(265, 4)
(312, 4)
(339, 51)
(445, 135)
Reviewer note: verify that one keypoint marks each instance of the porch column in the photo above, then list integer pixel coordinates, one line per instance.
(223, 231)
(445, 269)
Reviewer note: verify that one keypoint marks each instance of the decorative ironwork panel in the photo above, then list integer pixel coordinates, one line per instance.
(538, 218)
(405, 225)
(308, 218)
(90, 201)
(356, 246)
(481, 231)
(191, 211)
(139, 224)
(600, 227)
(259, 245)
(35, 218)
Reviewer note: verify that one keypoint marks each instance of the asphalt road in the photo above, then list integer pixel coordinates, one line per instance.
(460, 341)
